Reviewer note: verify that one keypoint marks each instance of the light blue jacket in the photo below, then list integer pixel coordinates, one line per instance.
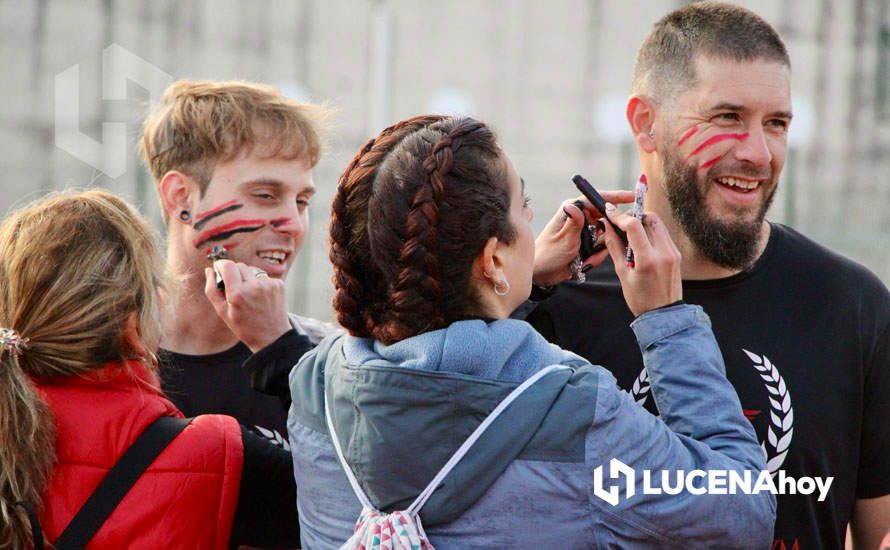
(401, 411)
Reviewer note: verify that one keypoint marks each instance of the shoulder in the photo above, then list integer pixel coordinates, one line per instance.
(209, 438)
(307, 381)
(314, 329)
(816, 264)
(797, 246)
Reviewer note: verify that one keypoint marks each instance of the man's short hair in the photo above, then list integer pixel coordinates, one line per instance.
(665, 63)
(201, 123)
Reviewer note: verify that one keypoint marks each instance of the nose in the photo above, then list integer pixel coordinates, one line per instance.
(755, 149)
(293, 224)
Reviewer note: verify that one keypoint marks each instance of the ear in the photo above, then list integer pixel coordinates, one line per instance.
(641, 114)
(178, 193)
(487, 265)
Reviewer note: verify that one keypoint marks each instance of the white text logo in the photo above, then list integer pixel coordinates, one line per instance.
(702, 482)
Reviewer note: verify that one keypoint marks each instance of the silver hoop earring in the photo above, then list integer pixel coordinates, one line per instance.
(501, 288)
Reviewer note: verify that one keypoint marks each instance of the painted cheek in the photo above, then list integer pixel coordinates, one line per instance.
(711, 142)
(689, 133)
(202, 218)
(223, 232)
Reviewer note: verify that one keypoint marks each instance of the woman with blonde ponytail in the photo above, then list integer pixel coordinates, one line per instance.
(81, 280)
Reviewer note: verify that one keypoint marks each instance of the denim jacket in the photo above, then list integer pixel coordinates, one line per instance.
(401, 411)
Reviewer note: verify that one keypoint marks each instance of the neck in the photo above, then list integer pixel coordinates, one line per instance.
(191, 325)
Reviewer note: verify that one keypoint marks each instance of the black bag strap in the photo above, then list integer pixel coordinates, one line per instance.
(119, 480)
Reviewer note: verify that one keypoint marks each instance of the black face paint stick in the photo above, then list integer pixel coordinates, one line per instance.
(218, 253)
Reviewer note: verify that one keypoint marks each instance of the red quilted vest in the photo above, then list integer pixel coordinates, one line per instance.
(186, 498)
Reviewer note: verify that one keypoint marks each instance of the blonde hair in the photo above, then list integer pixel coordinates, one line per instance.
(202, 123)
(74, 267)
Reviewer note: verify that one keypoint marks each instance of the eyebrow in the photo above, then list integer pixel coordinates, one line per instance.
(726, 106)
(522, 181)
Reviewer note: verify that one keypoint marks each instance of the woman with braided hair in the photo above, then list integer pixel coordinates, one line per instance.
(432, 249)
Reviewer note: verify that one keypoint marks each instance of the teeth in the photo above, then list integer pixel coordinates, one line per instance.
(277, 257)
(742, 184)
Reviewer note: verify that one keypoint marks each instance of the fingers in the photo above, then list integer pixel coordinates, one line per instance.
(636, 234)
(620, 196)
(614, 197)
(595, 259)
(216, 296)
(572, 214)
(567, 217)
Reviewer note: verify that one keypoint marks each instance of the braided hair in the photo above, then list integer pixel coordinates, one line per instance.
(355, 278)
(412, 211)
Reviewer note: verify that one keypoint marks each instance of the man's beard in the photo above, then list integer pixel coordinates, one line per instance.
(727, 243)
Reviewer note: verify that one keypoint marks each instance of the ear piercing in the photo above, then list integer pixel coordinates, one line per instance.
(185, 216)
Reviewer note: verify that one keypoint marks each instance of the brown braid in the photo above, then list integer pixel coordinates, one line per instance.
(417, 287)
(355, 278)
(437, 198)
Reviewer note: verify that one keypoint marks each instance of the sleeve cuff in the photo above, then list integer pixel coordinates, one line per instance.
(278, 349)
(659, 323)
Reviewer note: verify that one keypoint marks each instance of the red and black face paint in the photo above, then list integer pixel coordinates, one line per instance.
(225, 231)
(204, 217)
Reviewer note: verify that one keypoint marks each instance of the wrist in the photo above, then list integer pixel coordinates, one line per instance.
(540, 292)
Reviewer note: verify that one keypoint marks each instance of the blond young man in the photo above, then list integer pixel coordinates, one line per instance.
(805, 333)
(232, 162)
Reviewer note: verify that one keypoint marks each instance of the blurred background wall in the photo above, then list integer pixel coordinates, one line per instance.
(551, 76)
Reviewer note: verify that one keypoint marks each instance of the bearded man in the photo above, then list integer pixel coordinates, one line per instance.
(805, 333)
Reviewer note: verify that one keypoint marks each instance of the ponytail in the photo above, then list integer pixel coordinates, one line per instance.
(27, 437)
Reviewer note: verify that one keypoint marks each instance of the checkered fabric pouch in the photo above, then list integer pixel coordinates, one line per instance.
(402, 529)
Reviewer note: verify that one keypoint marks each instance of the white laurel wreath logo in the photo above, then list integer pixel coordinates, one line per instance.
(274, 437)
(781, 428)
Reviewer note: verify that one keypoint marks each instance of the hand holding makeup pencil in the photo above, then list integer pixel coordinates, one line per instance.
(654, 279)
(557, 244)
(252, 305)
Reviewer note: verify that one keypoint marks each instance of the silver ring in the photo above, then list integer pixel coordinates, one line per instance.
(575, 267)
(257, 272)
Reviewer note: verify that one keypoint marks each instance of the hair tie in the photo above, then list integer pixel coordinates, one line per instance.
(12, 341)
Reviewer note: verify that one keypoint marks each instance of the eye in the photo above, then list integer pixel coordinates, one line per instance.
(265, 195)
(302, 204)
(726, 118)
(526, 201)
(778, 124)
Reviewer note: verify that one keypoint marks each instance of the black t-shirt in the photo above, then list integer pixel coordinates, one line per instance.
(804, 334)
(217, 384)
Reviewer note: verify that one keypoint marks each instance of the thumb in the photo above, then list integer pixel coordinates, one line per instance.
(574, 219)
(215, 295)
(614, 244)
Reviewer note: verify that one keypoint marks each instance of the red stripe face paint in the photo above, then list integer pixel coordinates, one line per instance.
(204, 217)
(717, 139)
(225, 231)
(710, 163)
(689, 133)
